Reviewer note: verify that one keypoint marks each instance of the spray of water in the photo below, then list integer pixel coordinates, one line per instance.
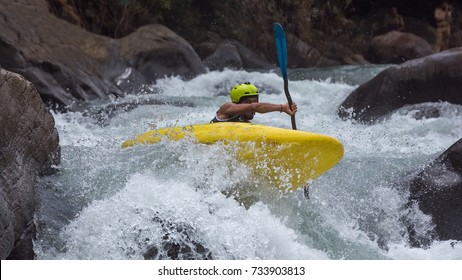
(192, 201)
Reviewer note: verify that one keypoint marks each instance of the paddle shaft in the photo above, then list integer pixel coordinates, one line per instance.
(282, 59)
(289, 100)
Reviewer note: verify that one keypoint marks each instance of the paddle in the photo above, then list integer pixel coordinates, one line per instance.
(282, 58)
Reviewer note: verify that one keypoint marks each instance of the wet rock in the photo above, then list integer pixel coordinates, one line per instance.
(132, 81)
(225, 56)
(103, 113)
(63, 61)
(437, 190)
(156, 51)
(29, 147)
(151, 253)
(303, 55)
(423, 111)
(231, 54)
(178, 243)
(68, 64)
(397, 47)
(434, 78)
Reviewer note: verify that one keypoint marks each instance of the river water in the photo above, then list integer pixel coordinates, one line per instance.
(193, 201)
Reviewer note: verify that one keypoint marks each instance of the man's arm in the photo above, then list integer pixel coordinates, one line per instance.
(229, 109)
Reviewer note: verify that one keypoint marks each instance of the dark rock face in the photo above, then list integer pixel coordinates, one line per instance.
(332, 54)
(67, 63)
(60, 59)
(434, 78)
(438, 192)
(398, 47)
(29, 146)
(156, 51)
(231, 54)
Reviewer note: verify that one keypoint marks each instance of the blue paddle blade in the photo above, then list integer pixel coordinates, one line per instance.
(282, 48)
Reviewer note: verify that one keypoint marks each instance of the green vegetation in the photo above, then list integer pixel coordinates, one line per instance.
(197, 21)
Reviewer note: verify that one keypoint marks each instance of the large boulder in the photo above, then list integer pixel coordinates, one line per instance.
(302, 55)
(438, 192)
(421, 28)
(62, 60)
(397, 47)
(231, 54)
(29, 146)
(434, 78)
(156, 51)
(68, 64)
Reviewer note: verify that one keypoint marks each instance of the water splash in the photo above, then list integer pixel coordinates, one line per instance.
(177, 200)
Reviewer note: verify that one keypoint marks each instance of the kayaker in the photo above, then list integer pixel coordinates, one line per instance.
(245, 104)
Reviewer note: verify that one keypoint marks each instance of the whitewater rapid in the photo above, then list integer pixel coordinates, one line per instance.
(111, 203)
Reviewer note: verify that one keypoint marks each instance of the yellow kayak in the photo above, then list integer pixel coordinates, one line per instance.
(287, 158)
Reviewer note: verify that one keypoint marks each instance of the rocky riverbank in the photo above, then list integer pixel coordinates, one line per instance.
(48, 62)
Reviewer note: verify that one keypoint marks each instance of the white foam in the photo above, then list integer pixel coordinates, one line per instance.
(352, 207)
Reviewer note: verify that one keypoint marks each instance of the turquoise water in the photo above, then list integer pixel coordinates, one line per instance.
(111, 203)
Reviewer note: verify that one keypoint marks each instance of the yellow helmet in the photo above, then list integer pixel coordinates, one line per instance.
(245, 89)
